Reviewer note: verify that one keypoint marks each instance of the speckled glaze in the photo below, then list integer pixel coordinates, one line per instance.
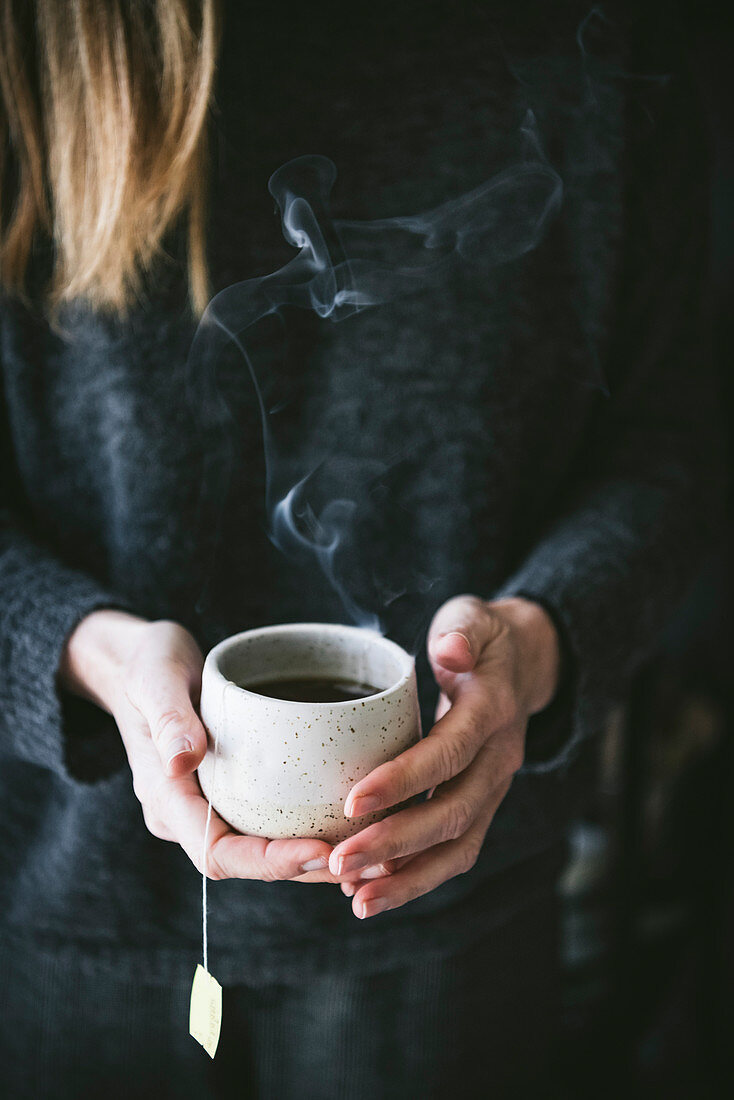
(283, 768)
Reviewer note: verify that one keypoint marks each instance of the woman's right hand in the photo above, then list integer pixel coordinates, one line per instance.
(147, 675)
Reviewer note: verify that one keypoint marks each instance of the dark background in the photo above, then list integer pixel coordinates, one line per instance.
(648, 895)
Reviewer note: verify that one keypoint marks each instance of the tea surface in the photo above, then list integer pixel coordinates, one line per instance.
(313, 690)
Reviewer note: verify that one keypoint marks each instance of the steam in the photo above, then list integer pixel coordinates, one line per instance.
(340, 268)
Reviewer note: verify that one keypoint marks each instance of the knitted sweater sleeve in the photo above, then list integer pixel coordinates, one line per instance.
(642, 508)
(41, 601)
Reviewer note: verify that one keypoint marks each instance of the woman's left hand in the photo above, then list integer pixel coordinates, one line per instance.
(496, 664)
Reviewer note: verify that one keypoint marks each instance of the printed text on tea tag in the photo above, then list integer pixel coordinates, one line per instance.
(205, 1013)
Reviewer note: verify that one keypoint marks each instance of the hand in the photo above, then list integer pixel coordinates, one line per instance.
(496, 664)
(148, 676)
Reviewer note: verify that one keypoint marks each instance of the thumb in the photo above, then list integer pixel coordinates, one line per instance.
(174, 725)
(458, 633)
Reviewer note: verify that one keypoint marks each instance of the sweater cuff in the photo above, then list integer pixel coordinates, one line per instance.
(554, 735)
(45, 724)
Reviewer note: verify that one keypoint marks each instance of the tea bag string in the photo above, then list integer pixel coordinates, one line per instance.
(204, 930)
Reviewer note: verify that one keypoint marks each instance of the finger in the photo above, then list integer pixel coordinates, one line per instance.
(448, 749)
(350, 885)
(164, 698)
(369, 873)
(157, 827)
(428, 870)
(175, 809)
(447, 816)
(180, 805)
(459, 631)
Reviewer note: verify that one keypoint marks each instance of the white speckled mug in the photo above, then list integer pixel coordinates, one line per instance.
(284, 768)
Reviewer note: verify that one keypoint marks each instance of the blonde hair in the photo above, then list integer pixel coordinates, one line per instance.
(103, 106)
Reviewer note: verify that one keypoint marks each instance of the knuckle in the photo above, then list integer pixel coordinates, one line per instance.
(465, 604)
(215, 869)
(271, 868)
(160, 632)
(272, 872)
(164, 625)
(399, 778)
(170, 722)
(154, 825)
(459, 816)
(453, 755)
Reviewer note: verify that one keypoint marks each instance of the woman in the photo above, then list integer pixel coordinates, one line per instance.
(556, 415)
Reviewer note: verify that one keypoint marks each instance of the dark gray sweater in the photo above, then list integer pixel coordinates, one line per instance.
(540, 427)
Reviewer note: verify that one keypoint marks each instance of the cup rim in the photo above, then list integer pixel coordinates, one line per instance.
(406, 662)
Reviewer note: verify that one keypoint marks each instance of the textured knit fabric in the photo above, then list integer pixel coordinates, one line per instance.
(479, 1023)
(541, 427)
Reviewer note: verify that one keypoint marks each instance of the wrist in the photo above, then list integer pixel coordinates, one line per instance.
(539, 648)
(96, 652)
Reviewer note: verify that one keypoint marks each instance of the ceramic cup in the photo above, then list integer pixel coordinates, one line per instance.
(283, 768)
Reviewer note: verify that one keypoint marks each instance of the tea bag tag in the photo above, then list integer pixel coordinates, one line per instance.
(205, 1012)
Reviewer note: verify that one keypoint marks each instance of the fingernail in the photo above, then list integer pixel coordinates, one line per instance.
(458, 634)
(377, 870)
(178, 747)
(362, 804)
(352, 862)
(314, 864)
(348, 889)
(372, 907)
